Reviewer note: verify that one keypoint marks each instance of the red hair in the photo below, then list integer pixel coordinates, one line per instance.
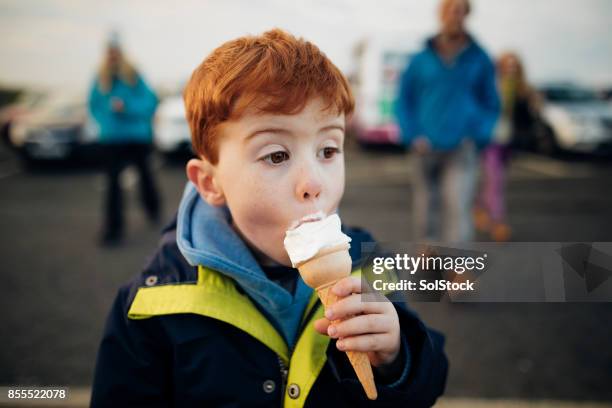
(274, 72)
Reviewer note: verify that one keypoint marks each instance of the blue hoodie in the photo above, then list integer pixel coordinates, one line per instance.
(448, 102)
(206, 237)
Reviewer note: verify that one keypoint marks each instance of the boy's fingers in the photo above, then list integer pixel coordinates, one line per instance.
(365, 343)
(351, 306)
(359, 325)
(347, 286)
(321, 325)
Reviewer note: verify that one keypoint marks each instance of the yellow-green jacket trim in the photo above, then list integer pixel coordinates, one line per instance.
(214, 295)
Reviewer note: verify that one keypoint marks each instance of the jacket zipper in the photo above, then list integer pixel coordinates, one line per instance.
(284, 370)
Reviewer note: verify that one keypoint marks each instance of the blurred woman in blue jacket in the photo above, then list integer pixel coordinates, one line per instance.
(123, 105)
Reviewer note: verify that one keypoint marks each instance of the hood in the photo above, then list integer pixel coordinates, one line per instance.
(471, 45)
(205, 237)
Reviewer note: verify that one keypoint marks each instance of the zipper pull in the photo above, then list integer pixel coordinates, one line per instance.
(284, 370)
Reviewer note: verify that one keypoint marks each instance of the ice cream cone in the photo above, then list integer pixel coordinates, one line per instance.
(321, 272)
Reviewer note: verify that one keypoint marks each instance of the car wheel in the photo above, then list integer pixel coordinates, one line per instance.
(27, 161)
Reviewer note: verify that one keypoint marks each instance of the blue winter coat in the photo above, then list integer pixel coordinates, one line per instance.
(447, 102)
(134, 123)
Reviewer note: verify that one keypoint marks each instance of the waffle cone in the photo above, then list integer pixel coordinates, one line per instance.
(322, 272)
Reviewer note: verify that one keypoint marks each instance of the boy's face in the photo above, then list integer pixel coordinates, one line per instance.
(274, 169)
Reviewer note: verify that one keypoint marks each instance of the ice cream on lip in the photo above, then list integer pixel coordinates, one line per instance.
(310, 234)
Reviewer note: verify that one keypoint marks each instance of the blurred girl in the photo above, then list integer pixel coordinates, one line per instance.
(519, 104)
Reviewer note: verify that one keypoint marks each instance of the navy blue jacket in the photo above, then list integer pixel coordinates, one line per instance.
(189, 360)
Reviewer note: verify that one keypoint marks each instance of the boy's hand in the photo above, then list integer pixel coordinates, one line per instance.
(372, 327)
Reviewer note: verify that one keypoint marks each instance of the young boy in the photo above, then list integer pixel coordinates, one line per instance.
(218, 317)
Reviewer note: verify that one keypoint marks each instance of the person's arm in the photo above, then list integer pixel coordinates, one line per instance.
(488, 101)
(142, 103)
(133, 367)
(405, 111)
(97, 102)
(422, 378)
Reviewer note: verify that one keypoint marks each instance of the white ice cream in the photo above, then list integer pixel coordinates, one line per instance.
(309, 237)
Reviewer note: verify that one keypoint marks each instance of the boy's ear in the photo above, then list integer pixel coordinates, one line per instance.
(202, 174)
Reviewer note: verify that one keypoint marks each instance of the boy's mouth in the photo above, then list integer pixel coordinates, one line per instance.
(318, 216)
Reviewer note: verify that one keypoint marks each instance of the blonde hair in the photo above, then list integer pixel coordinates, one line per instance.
(126, 73)
(523, 87)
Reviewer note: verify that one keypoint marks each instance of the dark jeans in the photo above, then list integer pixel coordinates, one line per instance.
(118, 157)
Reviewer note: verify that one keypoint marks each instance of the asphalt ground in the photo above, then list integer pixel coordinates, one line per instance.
(57, 284)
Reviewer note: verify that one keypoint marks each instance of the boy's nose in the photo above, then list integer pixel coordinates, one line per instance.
(309, 187)
(311, 192)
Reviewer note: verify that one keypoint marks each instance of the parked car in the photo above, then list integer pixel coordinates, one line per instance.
(575, 119)
(25, 102)
(172, 135)
(59, 128)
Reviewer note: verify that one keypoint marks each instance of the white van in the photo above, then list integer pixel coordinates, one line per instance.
(379, 64)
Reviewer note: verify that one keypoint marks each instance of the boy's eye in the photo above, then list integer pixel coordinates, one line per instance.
(276, 157)
(329, 152)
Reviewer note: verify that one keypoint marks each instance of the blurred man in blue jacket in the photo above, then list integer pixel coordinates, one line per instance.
(447, 108)
(123, 106)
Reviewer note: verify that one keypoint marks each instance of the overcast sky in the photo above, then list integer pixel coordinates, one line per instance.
(60, 42)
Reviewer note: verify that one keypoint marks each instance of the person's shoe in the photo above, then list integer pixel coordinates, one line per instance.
(501, 232)
(110, 239)
(482, 221)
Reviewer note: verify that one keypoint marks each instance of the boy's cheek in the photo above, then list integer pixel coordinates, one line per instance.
(263, 207)
(266, 219)
(264, 228)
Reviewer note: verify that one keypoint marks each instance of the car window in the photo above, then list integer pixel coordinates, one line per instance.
(569, 95)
